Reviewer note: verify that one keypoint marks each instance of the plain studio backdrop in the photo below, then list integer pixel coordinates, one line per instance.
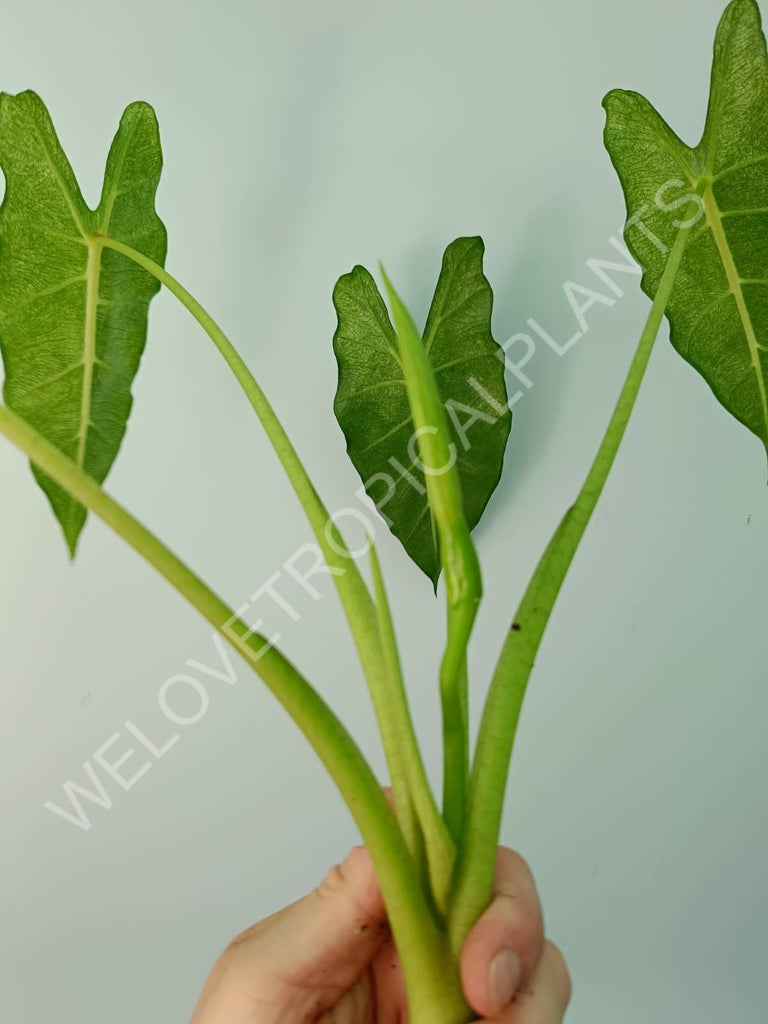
(301, 138)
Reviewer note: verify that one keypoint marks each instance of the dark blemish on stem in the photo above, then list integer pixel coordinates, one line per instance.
(516, 627)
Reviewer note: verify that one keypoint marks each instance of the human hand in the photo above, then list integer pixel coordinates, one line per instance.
(330, 959)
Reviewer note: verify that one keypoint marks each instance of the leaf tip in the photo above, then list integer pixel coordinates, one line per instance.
(385, 279)
(72, 538)
(395, 303)
(138, 110)
(616, 98)
(25, 97)
(470, 242)
(609, 98)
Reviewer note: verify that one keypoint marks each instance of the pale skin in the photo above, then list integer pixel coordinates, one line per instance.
(329, 958)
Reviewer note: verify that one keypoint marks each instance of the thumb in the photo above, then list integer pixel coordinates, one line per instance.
(299, 962)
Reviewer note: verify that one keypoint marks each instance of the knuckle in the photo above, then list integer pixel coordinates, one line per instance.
(333, 883)
(350, 885)
(342, 877)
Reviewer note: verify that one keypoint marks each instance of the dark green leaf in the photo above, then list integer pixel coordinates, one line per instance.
(73, 316)
(372, 404)
(718, 311)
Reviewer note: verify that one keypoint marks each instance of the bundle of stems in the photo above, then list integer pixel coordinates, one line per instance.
(435, 863)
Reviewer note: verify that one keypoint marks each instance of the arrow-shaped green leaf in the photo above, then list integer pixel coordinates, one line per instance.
(718, 311)
(372, 402)
(73, 315)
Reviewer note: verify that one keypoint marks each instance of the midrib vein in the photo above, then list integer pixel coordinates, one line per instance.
(93, 269)
(62, 185)
(735, 284)
(89, 346)
(429, 337)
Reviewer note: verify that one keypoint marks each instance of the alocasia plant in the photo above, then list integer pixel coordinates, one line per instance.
(75, 285)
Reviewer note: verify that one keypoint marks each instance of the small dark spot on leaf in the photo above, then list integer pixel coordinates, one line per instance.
(516, 627)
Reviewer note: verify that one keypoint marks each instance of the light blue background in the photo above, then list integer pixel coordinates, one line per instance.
(301, 138)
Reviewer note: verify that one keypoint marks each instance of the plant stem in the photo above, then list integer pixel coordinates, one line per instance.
(421, 943)
(457, 555)
(402, 797)
(454, 700)
(399, 742)
(477, 859)
(424, 824)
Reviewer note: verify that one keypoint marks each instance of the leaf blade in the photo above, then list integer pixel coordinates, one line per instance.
(73, 317)
(718, 311)
(371, 403)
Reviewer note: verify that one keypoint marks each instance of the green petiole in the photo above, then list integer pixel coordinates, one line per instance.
(425, 826)
(398, 738)
(505, 697)
(457, 555)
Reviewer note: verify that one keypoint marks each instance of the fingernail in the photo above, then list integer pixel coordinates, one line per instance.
(504, 978)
